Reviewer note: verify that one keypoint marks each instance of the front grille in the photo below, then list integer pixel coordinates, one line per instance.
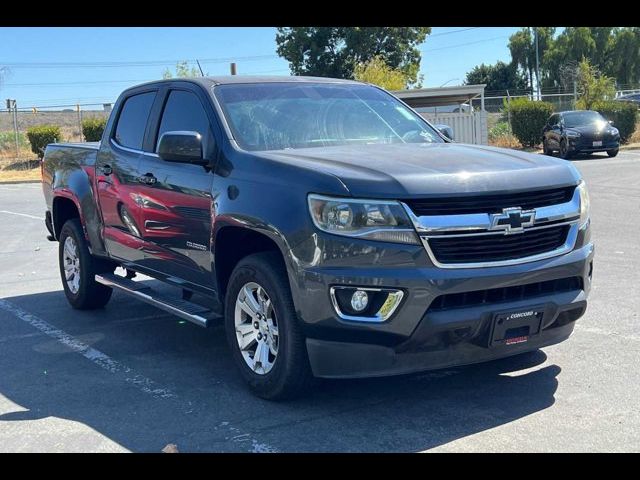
(505, 294)
(193, 212)
(490, 203)
(498, 247)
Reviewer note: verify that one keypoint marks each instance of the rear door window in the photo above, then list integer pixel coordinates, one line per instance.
(133, 118)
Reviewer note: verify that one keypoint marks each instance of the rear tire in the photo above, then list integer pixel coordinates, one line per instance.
(78, 269)
(612, 152)
(289, 374)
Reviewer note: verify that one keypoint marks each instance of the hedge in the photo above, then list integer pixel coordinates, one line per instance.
(41, 136)
(528, 118)
(92, 128)
(623, 115)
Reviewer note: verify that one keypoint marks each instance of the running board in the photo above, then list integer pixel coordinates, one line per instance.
(189, 311)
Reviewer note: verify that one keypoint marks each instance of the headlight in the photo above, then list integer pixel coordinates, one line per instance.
(584, 203)
(381, 220)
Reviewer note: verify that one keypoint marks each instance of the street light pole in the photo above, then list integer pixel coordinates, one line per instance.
(535, 32)
(450, 80)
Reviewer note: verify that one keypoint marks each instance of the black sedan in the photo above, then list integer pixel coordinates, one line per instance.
(579, 131)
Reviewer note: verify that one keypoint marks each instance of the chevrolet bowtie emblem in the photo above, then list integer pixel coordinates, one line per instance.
(512, 220)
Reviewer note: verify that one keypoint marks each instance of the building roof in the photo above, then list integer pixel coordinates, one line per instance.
(435, 97)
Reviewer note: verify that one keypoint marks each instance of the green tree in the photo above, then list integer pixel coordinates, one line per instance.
(522, 46)
(501, 76)
(335, 51)
(624, 62)
(182, 70)
(376, 71)
(593, 86)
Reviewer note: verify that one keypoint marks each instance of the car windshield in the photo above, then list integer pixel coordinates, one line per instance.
(287, 115)
(579, 119)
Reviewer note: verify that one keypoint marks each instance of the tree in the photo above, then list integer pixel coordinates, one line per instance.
(182, 70)
(501, 76)
(624, 62)
(522, 46)
(376, 71)
(335, 51)
(592, 85)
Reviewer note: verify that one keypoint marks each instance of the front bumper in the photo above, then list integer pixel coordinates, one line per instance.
(416, 338)
(583, 146)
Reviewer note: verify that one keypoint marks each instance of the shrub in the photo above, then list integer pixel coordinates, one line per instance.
(528, 118)
(41, 136)
(624, 116)
(92, 128)
(500, 135)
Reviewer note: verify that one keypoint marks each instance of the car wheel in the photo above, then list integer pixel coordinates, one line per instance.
(564, 150)
(262, 329)
(545, 149)
(78, 269)
(612, 152)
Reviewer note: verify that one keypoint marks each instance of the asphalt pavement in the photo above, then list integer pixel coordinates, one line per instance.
(132, 378)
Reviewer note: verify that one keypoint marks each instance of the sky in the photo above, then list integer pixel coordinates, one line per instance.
(65, 66)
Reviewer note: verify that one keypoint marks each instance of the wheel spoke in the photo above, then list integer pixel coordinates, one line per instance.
(250, 301)
(264, 356)
(257, 356)
(272, 327)
(246, 335)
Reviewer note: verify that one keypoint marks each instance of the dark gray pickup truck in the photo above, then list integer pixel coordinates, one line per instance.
(338, 232)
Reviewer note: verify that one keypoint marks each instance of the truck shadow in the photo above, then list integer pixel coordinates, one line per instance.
(211, 409)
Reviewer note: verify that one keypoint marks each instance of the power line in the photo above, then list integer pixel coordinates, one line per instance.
(452, 31)
(466, 44)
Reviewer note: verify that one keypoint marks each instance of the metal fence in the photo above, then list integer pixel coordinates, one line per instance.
(14, 124)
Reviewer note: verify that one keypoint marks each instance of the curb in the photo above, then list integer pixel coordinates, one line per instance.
(18, 182)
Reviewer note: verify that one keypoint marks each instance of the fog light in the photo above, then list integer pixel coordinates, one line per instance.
(359, 300)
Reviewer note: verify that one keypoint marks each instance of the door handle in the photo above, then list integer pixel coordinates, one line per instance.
(105, 169)
(148, 178)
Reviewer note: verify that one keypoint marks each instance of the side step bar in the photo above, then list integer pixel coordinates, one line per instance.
(189, 311)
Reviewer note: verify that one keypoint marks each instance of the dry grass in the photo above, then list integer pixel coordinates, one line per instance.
(19, 171)
(505, 141)
(635, 138)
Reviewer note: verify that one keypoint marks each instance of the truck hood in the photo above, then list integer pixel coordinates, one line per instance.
(437, 169)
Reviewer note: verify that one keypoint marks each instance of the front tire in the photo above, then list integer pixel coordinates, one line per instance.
(262, 329)
(545, 150)
(78, 269)
(564, 150)
(613, 152)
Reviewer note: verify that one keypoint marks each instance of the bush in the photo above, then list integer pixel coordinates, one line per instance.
(92, 128)
(528, 118)
(624, 116)
(500, 135)
(41, 136)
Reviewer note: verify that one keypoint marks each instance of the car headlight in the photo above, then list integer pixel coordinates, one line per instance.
(381, 220)
(585, 206)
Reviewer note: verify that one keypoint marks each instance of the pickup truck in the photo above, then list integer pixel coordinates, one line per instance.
(336, 232)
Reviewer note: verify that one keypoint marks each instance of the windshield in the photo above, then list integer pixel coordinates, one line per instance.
(275, 116)
(580, 119)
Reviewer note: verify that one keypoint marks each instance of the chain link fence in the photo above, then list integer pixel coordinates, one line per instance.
(14, 124)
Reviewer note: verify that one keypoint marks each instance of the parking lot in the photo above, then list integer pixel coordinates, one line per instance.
(132, 378)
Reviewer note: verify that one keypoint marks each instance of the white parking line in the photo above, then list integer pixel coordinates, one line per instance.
(105, 362)
(22, 214)
(96, 356)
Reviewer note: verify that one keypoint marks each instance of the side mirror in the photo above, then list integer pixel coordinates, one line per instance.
(610, 122)
(445, 130)
(181, 147)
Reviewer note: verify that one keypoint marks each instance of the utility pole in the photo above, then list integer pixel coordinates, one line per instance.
(535, 33)
(12, 106)
(233, 69)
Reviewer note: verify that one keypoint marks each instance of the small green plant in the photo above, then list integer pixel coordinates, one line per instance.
(8, 140)
(500, 135)
(92, 128)
(624, 116)
(41, 136)
(528, 118)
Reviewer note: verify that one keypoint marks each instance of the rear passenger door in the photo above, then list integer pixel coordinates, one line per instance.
(116, 175)
(176, 205)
